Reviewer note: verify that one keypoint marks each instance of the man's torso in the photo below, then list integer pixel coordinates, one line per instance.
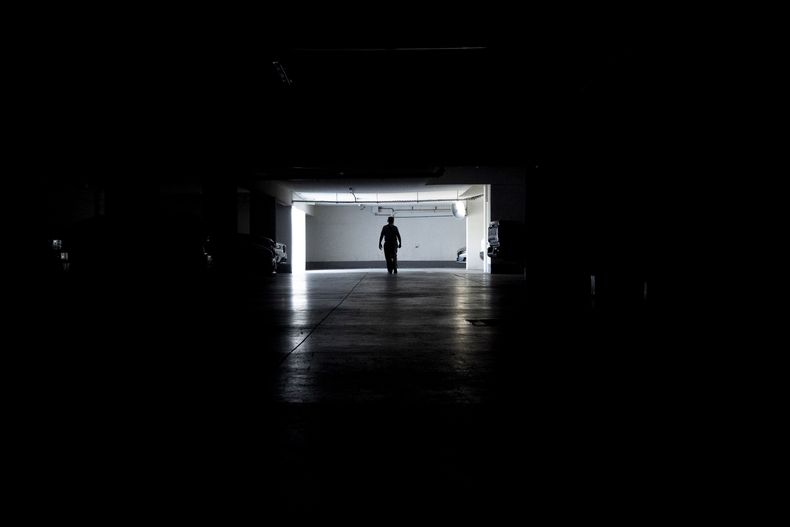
(390, 234)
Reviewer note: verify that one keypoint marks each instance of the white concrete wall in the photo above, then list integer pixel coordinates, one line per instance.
(486, 222)
(348, 233)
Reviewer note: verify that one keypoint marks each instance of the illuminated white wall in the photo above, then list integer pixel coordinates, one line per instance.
(486, 222)
(298, 249)
(350, 233)
(476, 233)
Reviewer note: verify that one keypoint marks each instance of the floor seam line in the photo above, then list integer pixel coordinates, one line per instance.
(322, 320)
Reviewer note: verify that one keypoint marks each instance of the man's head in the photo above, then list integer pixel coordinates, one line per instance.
(391, 220)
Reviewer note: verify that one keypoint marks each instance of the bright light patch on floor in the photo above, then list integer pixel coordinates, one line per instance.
(298, 241)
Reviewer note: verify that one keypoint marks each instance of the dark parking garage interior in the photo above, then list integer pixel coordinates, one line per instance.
(164, 383)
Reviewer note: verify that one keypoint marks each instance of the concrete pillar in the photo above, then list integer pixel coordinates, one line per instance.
(243, 199)
(98, 201)
(486, 222)
(508, 205)
(220, 206)
(117, 245)
(476, 231)
(263, 215)
(283, 231)
(555, 227)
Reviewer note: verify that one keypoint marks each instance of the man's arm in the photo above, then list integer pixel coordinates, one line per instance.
(381, 237)
(397, 233)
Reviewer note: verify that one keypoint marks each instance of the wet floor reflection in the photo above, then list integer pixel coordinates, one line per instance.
(391, 338)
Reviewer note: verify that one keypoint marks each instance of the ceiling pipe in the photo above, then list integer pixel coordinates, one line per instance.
(414, 216)
(412, 209)
(385, 201)
(388, 50)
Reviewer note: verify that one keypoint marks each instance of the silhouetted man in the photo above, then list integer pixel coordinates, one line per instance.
(391, 237)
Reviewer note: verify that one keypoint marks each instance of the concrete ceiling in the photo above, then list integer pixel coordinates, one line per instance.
(473, 101)
(373, 178)
(365, 179)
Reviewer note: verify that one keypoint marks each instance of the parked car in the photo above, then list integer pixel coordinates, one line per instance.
(251, 253)
(279, 253)
(506, 245)
(280, 256)
(461, 255)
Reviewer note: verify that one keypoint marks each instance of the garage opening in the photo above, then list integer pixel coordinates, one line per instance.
(441, 227)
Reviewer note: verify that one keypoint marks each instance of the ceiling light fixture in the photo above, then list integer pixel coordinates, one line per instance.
(459, 209)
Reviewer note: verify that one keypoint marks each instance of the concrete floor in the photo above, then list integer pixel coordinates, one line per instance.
(383, 393)
(412, 338)
(433, 392)
(340, 394)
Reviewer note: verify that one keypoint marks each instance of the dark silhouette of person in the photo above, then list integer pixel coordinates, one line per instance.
(391, 237)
